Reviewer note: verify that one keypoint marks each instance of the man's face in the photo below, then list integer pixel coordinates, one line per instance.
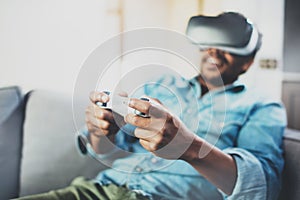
(220, 67)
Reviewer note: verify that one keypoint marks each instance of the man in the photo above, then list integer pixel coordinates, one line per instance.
(225, 142)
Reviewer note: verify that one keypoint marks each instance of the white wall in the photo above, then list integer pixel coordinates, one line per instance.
(45, 42)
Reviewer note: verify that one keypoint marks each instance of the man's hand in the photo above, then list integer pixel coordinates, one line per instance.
(162, 133)
(101, 122)
(166, 136)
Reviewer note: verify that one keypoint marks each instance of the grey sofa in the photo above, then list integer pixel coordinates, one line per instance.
(38, 153)
(37, 143)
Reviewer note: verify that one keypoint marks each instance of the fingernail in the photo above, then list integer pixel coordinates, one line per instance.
(130, 103)
(104, 98)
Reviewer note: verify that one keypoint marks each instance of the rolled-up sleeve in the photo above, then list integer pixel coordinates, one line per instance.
(251, 182)
(258, 153)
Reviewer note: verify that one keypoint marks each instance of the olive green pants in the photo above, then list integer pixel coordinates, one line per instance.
(81, 189)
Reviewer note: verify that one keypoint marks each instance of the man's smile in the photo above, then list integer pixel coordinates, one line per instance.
(212, 63)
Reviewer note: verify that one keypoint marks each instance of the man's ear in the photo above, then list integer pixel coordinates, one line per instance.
(247, 65)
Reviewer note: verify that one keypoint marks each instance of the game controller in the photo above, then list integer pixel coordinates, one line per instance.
(119, 105)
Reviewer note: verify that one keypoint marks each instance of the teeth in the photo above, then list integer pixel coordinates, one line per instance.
(212, 61)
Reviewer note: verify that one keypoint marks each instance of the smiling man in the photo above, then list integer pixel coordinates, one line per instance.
(225, 142)
(218, 63)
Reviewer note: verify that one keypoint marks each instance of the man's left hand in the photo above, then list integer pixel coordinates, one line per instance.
(162, 133)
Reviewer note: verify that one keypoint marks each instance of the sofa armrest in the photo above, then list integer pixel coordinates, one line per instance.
(11, 128)
(291, 134)
(291, 172)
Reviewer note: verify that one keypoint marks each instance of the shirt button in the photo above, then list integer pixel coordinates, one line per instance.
(138, 169)
(221, 124)
(154, 160)
(189, 111)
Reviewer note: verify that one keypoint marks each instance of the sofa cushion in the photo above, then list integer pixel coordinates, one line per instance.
(11, 125)
(291, 172)
(50, 158)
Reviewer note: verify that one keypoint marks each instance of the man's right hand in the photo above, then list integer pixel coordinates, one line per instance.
(101, 122)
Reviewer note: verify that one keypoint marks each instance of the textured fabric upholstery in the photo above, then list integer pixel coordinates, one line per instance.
(11, 125)
(50, 158)
(291, 173)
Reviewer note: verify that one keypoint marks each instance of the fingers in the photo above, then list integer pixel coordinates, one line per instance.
(145, 144)
(152, 108)
(98, 117)
(153, 124)
(99, 97)
(123, 94)
(138, 121)
(99, 113)
(95, 130)
(100, 121)
(150, 141)
(159, 115)
(144, 134)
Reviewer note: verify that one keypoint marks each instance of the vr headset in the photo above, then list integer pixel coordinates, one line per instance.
(229, 31)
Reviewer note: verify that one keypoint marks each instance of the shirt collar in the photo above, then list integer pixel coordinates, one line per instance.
(235, 87)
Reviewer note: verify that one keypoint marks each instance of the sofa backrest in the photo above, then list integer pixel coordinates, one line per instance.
(50, 159)
(11, 125)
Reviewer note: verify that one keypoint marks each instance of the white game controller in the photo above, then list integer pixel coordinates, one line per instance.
(119, 105)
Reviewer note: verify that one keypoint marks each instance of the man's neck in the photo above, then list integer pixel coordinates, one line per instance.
(207, 86)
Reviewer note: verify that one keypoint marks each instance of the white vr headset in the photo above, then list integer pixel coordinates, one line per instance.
(228, 31)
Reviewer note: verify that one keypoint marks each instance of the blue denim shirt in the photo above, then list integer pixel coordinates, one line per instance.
(234, 119)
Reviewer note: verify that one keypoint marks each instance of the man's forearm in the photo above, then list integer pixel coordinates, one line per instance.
(216, 166)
